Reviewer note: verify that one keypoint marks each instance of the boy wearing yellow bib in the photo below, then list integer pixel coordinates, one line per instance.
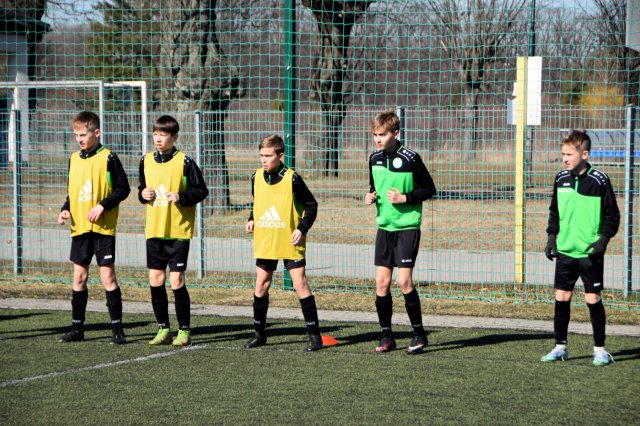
(97, 185)
(283, 212)
(171, 184)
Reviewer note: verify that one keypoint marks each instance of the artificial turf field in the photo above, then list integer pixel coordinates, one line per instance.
(466, 376)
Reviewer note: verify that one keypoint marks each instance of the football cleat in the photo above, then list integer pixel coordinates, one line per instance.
(162, 338)
(314, 344)
(601, 357)
(72, 336)
(118, 338)
(417, 344)
(258, 339)
(183, 338)
(559, 353)
(387, 343)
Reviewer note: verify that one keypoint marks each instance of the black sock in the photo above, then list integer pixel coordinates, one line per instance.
(183, 307)
(310, 314)
(260, 308)
(598, 322)
(160, 304)
(114, 305)
(78, 309)
(412, 304)
(561, 321)
(384, 307)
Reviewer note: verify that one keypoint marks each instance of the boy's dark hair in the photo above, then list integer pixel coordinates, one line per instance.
(166, 124)
(578, 139)
(88, 119)
(387, 120)
(273, 141)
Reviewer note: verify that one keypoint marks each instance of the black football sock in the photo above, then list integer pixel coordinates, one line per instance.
(562, 315)
(384, 307)
(310, 314)
(412, 304)
(260, 308)
(598, 322)
(114, 305)
(183, 307)
(78, 309)
(160, 304)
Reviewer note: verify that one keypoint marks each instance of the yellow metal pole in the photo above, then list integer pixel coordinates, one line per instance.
(521, 122)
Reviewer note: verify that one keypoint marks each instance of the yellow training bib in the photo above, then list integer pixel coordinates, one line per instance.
(275, 217)
(166, 219)
(88, 185)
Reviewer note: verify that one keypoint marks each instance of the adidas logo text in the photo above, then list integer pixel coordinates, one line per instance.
(86, 192)
(271, 219)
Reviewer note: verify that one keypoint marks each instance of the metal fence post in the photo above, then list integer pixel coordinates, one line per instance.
(630, 128)
(199, 218)
(289, 98)
(17, 194)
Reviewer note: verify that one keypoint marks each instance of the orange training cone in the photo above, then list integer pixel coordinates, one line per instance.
(328, 341)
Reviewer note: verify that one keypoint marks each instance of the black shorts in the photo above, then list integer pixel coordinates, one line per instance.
(271, 265)
(84, 246)
(568, 269)
(397, 248)
(161, 253)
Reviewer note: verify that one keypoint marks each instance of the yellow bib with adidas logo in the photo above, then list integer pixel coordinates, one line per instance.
(275, 217)
(88, 185)
(166, 219)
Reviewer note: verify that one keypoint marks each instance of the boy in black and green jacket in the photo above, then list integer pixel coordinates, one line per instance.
(399, 183)
(583, 217)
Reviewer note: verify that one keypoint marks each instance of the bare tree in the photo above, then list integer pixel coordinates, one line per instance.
(473, 33)
(335, 21)
(196, 75)
(610, 29)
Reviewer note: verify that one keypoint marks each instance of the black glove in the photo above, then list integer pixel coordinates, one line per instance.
(599, 247)
(551, 250)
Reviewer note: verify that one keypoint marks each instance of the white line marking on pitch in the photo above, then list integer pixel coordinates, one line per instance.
(99, 366)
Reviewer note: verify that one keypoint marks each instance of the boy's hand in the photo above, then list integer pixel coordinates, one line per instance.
(370, 198)
(148, 194)
(296, 237)
(599, 247)
(173, 197)
(63, 217)
(395, 196)
(551, 250)
(94, 213)
(249, 227)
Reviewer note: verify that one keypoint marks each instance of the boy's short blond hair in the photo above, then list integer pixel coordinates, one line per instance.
(387, 120)
(88, 119)
(273, 141)
(578, 139)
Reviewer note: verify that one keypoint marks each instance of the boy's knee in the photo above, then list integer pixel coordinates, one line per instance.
(563, 296)
(592, 298)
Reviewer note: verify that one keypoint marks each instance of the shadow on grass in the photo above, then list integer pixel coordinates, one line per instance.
(620, 356)
(241, 332)
(373, 338)
(20, 316)
(60, 330)
(491, 339)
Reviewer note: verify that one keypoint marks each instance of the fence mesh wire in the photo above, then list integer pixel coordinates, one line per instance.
(234, 71)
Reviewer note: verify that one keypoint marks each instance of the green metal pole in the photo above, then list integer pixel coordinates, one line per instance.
(289, 97)
(531, 51)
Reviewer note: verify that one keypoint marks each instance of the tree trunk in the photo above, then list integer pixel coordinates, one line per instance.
(469, 123)
(335, 21)
(197, 76)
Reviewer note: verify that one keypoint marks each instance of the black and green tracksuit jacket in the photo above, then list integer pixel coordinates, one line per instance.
(583, 208)
(404, 170)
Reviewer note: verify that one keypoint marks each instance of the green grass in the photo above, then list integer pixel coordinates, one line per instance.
(466, 376)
